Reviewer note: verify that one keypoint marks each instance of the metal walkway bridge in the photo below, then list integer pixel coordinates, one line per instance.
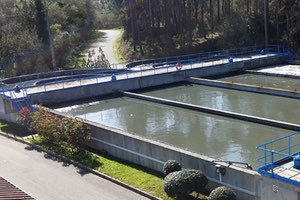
(136, 69)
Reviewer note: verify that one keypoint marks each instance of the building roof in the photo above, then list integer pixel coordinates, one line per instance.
(10, 192)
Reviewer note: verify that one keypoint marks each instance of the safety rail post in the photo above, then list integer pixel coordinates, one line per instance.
(272, 161)
(289, 145)
(265, 153)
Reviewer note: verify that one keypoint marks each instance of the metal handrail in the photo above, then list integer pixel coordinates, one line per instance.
(232, 52)
(212, 56)
(271, 153)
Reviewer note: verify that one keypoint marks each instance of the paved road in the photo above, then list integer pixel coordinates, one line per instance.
(46, 179)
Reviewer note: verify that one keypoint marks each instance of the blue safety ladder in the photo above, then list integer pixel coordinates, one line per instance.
(20, 102)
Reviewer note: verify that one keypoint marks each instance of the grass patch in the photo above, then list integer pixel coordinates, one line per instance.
(13, 129)
(134, 175)
(117, 48)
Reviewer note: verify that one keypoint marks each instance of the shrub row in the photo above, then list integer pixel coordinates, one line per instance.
(180, 183)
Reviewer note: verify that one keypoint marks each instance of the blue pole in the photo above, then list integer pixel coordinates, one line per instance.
(265, 146)
(272, 161)
(289, 143)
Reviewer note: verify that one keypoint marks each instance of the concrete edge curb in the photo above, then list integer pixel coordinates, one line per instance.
(138, 191)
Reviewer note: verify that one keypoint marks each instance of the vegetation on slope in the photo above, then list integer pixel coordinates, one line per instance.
(30, 29)
(171, 27)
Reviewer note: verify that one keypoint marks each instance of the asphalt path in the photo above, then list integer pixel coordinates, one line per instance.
(47, 179)
(107, 45)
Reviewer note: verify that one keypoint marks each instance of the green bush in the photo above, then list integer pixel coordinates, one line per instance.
(171, 166)
(60, 131)
(181, 183)
(75, 132)
(222, 193)
(46, 125)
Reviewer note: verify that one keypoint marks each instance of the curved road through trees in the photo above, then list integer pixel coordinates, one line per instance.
(107, 45)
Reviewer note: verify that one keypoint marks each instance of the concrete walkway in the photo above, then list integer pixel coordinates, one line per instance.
(46, 179)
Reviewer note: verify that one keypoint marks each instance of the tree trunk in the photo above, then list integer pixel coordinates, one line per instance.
(211, 13)
(167, 27)
(189, 23)
(218, 10)
(266, 16)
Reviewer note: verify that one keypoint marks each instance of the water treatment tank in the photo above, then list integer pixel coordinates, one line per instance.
(297, 161)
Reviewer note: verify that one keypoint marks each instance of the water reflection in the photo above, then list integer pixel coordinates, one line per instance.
(267, 81)
(266, 106)
(206, 134)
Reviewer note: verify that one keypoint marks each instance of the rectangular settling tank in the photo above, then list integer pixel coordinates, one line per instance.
(265, 81)
(211, 135)
(260, 105)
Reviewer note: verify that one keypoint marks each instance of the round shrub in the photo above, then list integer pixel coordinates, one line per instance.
(181, 183)
(222, 193)
(171, 166)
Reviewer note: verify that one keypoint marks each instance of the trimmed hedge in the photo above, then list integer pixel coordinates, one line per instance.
(222, 193)
(171, 166)
(181, 183)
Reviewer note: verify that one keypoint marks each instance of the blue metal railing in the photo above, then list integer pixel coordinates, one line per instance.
(278, 152)
(169, 62)
(235, 52)
(19, 102)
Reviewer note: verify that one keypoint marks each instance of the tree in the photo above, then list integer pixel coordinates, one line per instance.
(266, 20)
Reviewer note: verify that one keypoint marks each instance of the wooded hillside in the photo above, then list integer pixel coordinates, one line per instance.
(42, 35)
(154, 26)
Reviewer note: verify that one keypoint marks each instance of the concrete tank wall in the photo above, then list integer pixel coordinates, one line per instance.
(7, 112)
(248, 184)
(269, 188)
(153, 154)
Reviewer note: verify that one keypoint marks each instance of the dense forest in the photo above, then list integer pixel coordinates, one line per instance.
(42, 35)
(166, 27)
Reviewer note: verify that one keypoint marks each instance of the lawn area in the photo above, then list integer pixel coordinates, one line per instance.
(117, 46)
(134, 175)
